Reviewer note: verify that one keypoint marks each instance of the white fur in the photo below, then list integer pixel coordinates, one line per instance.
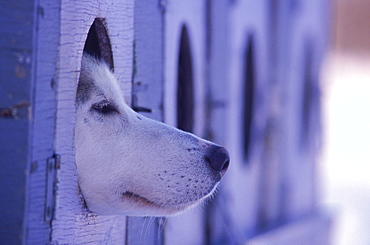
(129, 164)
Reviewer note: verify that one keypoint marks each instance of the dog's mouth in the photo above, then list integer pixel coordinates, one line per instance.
(161, 209)
(152, 208)
(133, 197)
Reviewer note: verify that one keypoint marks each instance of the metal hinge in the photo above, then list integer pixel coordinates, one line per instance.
(52, 165)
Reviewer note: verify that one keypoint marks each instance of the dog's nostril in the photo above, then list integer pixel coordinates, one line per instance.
(219, 158)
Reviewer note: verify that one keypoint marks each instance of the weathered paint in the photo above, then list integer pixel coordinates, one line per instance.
(30, 37)
(73, 223)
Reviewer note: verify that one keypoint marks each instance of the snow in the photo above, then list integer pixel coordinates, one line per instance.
(346, 156)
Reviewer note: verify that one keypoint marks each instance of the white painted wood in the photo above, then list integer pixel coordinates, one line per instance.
(147, 92)
(186, 228)
(43, 119)
(218, 226)
(247, 20)
(73, 224)
(306, 38)
(27, 114)
(192, 14)
(148, 76)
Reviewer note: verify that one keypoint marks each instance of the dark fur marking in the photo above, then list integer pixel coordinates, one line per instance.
(86, 85)
(84, 89)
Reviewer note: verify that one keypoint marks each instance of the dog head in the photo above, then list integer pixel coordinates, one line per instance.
(132, 165)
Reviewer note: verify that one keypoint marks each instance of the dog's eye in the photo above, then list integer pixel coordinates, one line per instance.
(104, 107)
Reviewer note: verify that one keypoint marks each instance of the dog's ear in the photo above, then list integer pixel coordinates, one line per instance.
(85, 83)
(84, 89)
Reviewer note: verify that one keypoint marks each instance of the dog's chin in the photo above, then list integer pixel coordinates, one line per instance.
(144, 207)
(133, 204)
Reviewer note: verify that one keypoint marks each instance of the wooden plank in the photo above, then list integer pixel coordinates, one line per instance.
(148, 58)
(16, 51)
(301, 45)
(73, 223)
(244, 184)
(218, 228)
(43, 113)
(147, 94)
(186, 228)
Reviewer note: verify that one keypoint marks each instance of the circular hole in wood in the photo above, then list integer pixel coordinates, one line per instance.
(310, 112)
(185, 86)
(248, 96)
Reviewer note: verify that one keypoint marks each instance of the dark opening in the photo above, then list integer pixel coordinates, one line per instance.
(248, 97)
(185, 94)
(310, 99)
(98, 42)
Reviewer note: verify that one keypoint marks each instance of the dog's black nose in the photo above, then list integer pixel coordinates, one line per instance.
(219, 158)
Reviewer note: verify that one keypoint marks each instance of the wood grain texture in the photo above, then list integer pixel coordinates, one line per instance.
(43, 123)
(16, 82)
(73, 224)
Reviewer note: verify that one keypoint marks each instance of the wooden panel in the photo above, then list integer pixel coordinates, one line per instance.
(44, 111)
(147, 95)
(218, 228)
(187, 228)
(73, 223)
(245, 183)
(301, 48)
(16, 81)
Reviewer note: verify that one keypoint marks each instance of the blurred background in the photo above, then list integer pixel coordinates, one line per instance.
(346, 76)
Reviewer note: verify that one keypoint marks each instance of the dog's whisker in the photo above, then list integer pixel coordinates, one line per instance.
(161, 225)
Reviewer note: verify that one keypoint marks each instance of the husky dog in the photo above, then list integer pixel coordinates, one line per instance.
(132, 165)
